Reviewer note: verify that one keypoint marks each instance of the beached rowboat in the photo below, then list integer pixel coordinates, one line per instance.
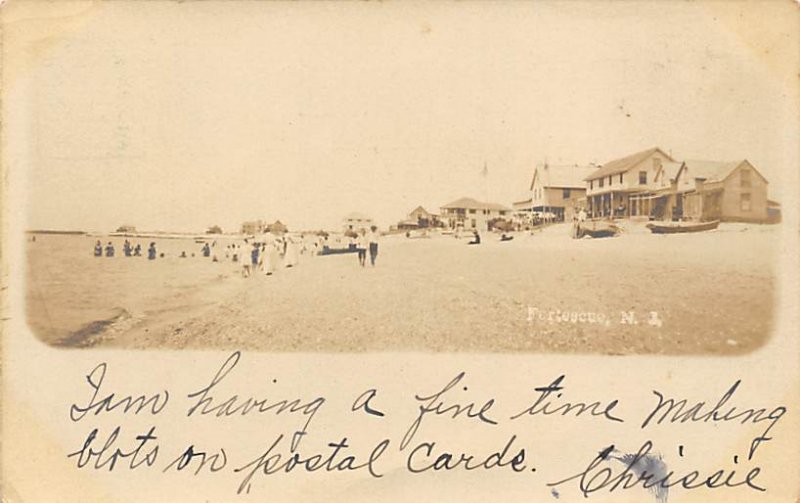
(597, 229)
(681, 227)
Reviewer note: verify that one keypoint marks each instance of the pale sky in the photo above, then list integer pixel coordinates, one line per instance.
(177, 116)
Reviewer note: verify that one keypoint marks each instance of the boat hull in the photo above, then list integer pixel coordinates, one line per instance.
(681, 228)
(597, 230)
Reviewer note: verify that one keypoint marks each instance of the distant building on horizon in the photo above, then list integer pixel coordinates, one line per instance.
(277, 227)
(354, 222)
(126, 229)
(253, 227)
(419, 218)
(473, 214)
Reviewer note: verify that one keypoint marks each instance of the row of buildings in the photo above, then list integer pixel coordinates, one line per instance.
(652, 184)
(649, 184)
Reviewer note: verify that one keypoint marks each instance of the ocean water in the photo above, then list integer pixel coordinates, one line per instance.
(70, 291)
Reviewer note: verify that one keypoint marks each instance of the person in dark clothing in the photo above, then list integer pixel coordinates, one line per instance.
(206, 250)
(98, 249)
(373, 245)
(476, 238)
(151, 252)
(137, 251)
(110, 249)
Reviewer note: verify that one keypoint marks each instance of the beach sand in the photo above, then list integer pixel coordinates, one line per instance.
(714, 293)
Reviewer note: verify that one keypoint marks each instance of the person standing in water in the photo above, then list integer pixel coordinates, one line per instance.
(98, 249)
(373, 245)
(110, 249)
(151, 251)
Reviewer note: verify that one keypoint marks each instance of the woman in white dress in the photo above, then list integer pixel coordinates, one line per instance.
(271, 258)
(291, 259)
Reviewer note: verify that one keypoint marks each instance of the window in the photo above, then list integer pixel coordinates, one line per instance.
(744, 177)
(609, 180)
(591, 184)
(620, 178)
(600, 182)
(471, 212)
(565, 194)
(643, 177)
(745, 202)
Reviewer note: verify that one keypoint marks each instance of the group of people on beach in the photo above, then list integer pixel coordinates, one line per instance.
(268, 256)
(366, 242)
(128, 249)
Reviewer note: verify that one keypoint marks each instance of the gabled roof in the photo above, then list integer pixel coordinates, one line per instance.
(670, 170)
(472, 204)
(712, 171)
(625, 164)
(420, 209)
(522, 205)
(562, 177)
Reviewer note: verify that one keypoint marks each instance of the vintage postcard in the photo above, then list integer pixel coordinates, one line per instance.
(393, 251)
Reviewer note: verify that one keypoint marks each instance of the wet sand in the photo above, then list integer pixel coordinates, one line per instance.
(714, 293)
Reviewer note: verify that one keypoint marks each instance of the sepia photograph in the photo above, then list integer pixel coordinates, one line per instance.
(549, 177)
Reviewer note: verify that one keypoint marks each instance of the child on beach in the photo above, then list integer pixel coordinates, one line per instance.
(98, 249)
(253, 265)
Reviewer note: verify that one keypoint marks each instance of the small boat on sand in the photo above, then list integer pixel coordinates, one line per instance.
(681, 227)
(597, 229)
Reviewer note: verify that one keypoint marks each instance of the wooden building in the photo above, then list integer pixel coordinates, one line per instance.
(355, 222)
(556, 191)
(253, 227)
(469, 213)
(623, 187)
(728, 191)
